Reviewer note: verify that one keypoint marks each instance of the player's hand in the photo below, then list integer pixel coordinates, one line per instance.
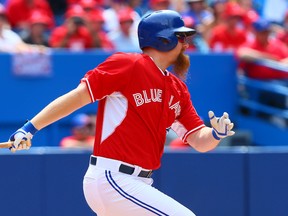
(24, 133)
(222, 126)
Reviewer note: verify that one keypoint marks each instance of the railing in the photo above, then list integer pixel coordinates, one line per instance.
(250, 90)
(262, 106)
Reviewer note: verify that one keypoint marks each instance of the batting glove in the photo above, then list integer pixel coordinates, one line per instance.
(222, 127)
(24, 133)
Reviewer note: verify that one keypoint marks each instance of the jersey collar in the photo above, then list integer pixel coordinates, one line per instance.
(164, 73)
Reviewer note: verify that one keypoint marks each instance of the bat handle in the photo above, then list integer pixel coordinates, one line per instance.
(6, 144)
(9, 144)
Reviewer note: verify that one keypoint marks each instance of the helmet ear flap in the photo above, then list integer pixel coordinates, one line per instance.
(167, 43)
(164, 41)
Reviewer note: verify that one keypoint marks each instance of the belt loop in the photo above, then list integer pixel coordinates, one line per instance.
(93, 160)
(137, 170)
(150, 174)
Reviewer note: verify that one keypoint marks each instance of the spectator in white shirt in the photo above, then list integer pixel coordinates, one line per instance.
(10, 42)
(125, 39)
(111, 15)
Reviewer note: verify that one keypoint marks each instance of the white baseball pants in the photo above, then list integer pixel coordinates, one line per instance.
(109, 192)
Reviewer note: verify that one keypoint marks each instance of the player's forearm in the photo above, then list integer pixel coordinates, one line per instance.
(202, 140)
(62, 107)
(249, 54)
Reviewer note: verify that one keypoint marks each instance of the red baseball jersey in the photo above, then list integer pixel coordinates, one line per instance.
(137, 103)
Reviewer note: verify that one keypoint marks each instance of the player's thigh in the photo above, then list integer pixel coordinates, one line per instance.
(93, 195)
(162, 202)
(118, 194)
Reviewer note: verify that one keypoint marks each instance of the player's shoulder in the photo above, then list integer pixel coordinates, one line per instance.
(119, 61)
(125, 57)
(177, 82)
(175, 78)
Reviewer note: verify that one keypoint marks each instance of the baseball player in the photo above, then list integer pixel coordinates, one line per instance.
(139, 99)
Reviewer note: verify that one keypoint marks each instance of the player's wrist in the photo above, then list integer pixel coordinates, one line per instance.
(215, 135)
(29, 128)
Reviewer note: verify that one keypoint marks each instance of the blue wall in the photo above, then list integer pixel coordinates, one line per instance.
(211, 81)
(228, 181)
(47, 181)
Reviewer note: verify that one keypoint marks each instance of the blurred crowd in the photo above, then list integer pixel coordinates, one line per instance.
(251, 29)
(222, 25)
(82, 132)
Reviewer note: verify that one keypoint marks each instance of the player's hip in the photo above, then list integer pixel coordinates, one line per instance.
(97, 164)
(105, 188)
(111, 193)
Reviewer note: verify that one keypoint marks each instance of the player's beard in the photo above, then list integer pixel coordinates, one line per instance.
(181, 65)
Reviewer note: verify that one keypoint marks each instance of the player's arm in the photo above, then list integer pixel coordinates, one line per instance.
(62, 106)
(57, 109)
(202, 140)
(208, 138)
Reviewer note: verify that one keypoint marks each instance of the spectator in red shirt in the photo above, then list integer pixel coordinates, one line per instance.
(177, 143)
(95, 23)
(38, 32)
(283, 34)
(82, 133)
(19, 12)
(263, 47)
(159, 5)
(73, 2)
(73, 34)
(250, 14)
(90, 6)
(229, 35)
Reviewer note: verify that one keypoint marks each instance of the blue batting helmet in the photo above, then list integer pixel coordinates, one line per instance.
(160, 29)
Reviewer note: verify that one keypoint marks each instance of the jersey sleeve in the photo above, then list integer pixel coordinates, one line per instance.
(112, 75)
(188, 121)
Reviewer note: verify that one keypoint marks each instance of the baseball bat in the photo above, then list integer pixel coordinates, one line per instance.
(10, 143)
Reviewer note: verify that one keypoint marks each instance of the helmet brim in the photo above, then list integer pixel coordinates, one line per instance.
(185, 30)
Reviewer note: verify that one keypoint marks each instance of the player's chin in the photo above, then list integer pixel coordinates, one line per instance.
(183, 51)
(181, 65)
